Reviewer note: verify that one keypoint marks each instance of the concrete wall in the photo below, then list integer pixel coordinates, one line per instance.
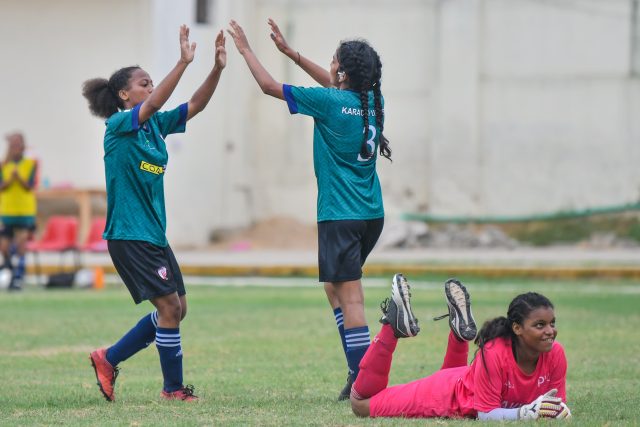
(494, 107)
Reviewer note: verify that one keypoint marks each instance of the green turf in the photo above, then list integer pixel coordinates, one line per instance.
(271, 355)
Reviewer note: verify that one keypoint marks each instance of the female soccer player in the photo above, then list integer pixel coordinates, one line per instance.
(135, 162)
(519, 371)
(349, 120)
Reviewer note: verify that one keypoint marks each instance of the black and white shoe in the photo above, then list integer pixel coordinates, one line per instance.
(396, 311)
(461, 319)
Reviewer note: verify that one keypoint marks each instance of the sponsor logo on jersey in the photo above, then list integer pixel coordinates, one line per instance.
(148, 167)
(542, 379)
(162, 272)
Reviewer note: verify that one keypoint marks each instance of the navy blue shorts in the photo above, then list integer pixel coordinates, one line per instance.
(343, 247)
(14, 224)
(148, 271)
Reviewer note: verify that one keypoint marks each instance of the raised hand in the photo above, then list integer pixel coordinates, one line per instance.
(237, 34)
(278, 38)
(221, 51)
(187, 50)
(546, 405)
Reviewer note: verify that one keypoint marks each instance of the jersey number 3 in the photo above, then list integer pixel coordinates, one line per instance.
(371, 144)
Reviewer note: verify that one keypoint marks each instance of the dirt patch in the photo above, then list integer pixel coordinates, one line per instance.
(273, 233)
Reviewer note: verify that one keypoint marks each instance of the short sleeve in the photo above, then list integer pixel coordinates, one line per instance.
(488, 381)
(172, 121)
(558, 371)
(124, 121)
(308, 101)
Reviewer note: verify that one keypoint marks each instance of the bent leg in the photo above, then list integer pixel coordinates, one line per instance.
(375, 365)
(138, 338)
(457, 352)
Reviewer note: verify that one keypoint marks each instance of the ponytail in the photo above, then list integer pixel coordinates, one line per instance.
(102, 94)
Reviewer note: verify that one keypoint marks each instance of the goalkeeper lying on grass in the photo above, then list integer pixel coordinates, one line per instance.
(518, 372)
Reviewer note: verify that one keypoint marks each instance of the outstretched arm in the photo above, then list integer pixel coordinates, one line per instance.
(163, 91)
(201, 97)
(262, 76)
(316, 72)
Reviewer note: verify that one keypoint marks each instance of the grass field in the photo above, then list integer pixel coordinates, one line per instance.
(270, 355)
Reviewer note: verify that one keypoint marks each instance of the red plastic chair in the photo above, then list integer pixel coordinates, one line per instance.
(95, 242)
(60, 235)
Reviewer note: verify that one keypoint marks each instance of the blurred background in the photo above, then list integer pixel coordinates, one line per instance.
(496, 110)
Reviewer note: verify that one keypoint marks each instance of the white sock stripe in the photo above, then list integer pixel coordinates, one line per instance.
(357, 335)
(339, 316)
(160, 344)
(357, 339)
(358, 344)
(339, 324)
(168, 342)
(160, 334)
(154, 318)
(166, 339)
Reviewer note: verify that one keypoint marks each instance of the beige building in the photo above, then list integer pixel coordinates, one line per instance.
(494, 107)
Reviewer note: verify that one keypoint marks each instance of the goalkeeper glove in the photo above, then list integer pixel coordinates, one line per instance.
(546, 405)
(565, 413)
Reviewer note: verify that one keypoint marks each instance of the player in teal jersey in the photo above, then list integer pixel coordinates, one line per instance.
(135, 162)
(349, 120)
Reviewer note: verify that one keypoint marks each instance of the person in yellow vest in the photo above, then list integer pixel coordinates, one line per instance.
(17, 206)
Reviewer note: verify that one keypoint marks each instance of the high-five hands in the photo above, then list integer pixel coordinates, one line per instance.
(545, 406)
(187, 50)
(278, 38)
(221, 52)
(237, 34)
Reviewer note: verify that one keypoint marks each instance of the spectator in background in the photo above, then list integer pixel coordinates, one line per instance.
(17, 206)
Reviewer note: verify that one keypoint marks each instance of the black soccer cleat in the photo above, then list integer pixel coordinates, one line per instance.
(396, 311)
(461, 319)
(346, 391)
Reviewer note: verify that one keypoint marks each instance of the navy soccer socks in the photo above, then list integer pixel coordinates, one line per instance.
(139, 337)
(170, 350)
(337, 313)
(357, 342)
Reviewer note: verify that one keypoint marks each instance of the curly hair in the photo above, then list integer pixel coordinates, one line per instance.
(102, 94)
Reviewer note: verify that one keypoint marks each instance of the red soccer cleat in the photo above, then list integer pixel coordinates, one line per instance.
(105, 373)
(185, 393)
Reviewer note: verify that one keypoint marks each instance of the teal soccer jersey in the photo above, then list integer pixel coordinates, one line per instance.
(135, 160)
(348, 185)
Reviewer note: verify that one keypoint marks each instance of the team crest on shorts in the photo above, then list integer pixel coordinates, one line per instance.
(162, 272)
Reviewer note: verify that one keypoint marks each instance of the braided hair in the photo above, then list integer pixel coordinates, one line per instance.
(102, 94)
(363, 66)
(502, 327)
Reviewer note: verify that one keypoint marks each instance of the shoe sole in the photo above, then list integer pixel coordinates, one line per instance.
(401, 298)
(95, 369)
(462, 324)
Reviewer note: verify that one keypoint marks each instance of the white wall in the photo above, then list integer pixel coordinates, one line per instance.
(48, 50)
(494, 107)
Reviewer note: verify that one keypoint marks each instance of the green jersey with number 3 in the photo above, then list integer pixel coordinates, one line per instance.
(348, 185)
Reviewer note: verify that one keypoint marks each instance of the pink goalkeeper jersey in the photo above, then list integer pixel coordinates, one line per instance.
(465, 390)
(502, 384)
